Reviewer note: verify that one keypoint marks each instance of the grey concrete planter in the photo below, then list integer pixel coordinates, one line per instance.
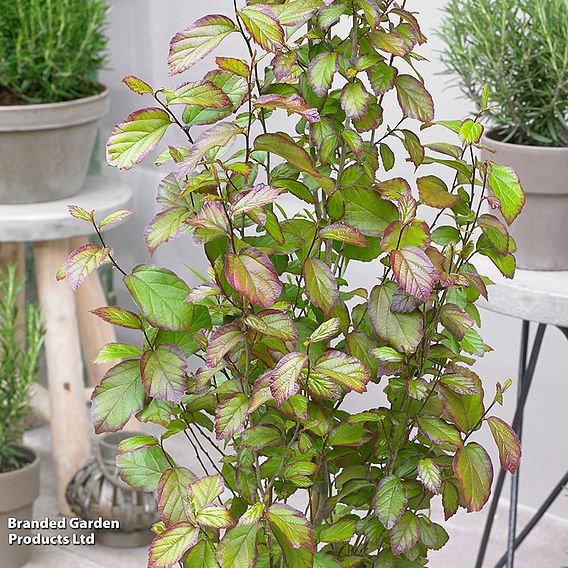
(541, 231)
(45, 149)
(18, 491)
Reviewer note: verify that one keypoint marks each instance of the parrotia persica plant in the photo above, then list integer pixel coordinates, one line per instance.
(254, 364)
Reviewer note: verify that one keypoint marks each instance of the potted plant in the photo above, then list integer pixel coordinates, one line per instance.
(253, 365)
(50, 101)
(520, 49)
(21, 338)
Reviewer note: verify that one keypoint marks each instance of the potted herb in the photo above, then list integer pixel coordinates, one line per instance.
(520, 49)
(253, 365)
(21, 338)
(50, 101)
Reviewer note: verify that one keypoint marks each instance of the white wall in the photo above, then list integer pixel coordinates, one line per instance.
(140, 31)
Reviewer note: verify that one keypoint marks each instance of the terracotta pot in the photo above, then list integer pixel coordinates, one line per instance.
(18, 491)
(541, 230)
(45, 149)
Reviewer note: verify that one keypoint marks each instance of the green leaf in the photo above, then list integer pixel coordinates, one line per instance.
(196, 41)
(284, 379)
(160, 294)
(263, 27)
(434, 192)
(464, 410)
(238, 548)
(459, 383)
(450, 499)
(273, 323)
(323, 560)
(293, 525)
(354, 100)
(215, 517)
(506, 187)
(286, 148)
(204, 491)
(430, 476)
(321, 285)
(119, 316)
(403, 331)
(252, 274)
(367, 211)
(470, 132)
(253, 515)
(390, 501)
(387, 156)
(438, 431)
(201, 555)
(432, 535)
(259, 196)
(507, 442)
(118, 397)
(83, 261)
(142, 466)
(200, 93)
(473, 468)
(445, 235)
(136, 85)
(340, 531)
(325, 331)
(321, 71)
(230, 416)
(116, 217)
(113, 351)
(344, 233)
(168, 547)
(455, 320)
(134, 138)
(414, 271)
(165, 227)
(164, 371)
(414, 100)
(404, 535)
(172, 495)
(233, 65)
(344, 369)
(495, 232)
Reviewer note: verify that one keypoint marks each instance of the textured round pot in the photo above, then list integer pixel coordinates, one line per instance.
(18, 491)
(45, 149)
(541, 230)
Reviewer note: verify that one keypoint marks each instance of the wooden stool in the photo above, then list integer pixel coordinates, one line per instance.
(73, 335)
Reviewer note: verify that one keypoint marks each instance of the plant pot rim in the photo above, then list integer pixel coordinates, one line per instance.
(71, 102)
(488, 136)
(31, 465)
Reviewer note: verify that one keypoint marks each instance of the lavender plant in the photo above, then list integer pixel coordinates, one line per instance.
(253, 365)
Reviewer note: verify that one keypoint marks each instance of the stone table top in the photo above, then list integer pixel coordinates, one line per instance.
(533, 295)
(51, 220)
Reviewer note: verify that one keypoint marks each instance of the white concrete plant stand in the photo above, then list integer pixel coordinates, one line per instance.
(72, 333)
(533, 296)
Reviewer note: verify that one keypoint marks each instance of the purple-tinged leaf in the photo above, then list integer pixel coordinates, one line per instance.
(327, 330)
(496, 233)
(204, 94)
(439, 431)
(80, 213)
(373, 13)
(297, 12)
(460, 384)
(252, 274)
(261, 392)
(354, 100)
(396, 42)
(165, 227)
(344, 369)
(382, 78)
(404, 535)
(414, 100)
(284, 379)
(476, 281)
(455, 320)
(292, 104)
(168, 548)
(394, 188)
(238, 547)
(321, 71)
(203, 291)
(237, 66)
(296, 529)
(83, 261)
(215, 517)
(119, 396)
(282, 64)
(402, 303)
(137, 86)
(507, 442)
(134, 138)
(204, 491)
(198, 40)
(273, 323)
(119, 316)
(321, 285)
(389, 501)
(221, 134)
(354, 141)
(164, 371)
(403, 331)
(211, 217)
(231, 415)
(259, 196)
(172, 495)
(344, 234)
(226, 338)
(430, 476)
(473, 468)
(116, 217)
(434, 192)
(263, 26)
(414, 272)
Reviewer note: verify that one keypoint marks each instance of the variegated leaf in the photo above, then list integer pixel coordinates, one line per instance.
(414, 272)
(163, 371)
(321, 285)
(259, 196)
(83, 261)
(507, 442)
(263, 27)
(292, 104)
(284, 379)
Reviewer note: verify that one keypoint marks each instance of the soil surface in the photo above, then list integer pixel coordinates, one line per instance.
(9, 98)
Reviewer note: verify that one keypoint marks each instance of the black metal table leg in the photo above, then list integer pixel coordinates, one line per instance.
(527, 381)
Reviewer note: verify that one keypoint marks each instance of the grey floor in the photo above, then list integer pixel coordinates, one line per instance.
(547, 547)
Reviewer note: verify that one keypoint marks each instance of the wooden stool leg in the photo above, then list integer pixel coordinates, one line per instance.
(64, 366)
(94, 331)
